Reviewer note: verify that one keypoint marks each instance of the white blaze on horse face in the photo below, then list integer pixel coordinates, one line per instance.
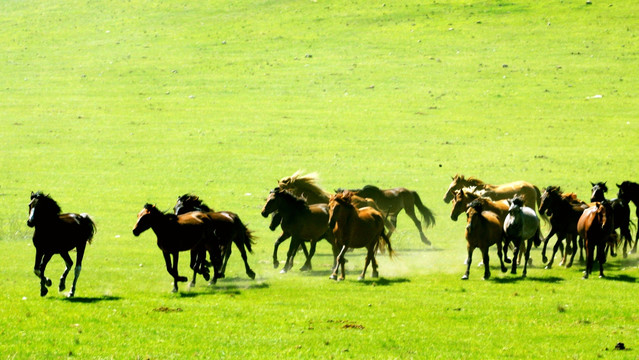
(31, 214)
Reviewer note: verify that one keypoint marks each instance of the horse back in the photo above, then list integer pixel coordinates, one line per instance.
(486, 228)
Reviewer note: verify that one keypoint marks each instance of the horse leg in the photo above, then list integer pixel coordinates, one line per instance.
(601, 257)
(560, 239)
(369, 255)
(527, 254)
(486, 260)
(581, 249)
(499, 254)
(307, 265)
(69, 263)
(226, 256)
(290, 255)
(337, 253)
(410, 211)
(38, 262)
(44, 281)
(627, 239)
(279, 240)
(389, 226)
(543, 251)
(469, 261)
(375, 274)
(515, 253)
(589, 260)
(505, 247)
(572, 240)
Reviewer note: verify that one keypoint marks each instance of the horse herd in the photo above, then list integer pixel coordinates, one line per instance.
(502, 215)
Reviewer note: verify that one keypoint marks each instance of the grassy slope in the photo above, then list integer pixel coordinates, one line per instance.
(108, 106)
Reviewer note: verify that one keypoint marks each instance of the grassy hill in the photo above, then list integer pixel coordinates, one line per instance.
(109, 105)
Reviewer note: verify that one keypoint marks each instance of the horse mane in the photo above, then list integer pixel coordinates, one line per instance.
(47, 203)
(470, 180)
(477, 204)
(153, 209)
(195, 202)
(344, 198)
(518, 201)
(303, 182)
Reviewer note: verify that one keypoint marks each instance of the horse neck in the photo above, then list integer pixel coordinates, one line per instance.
(289, 207)
(313, 194)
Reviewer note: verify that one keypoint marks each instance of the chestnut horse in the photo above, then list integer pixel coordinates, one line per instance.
(176, 233)
(393, 201)
(231, 230)
(529, 192)
(621, 212)
(521, 225)
(629, 191)
(483, 229)
(355, 228)
(563, 211)
(596, 225)
(57, 233)
(300, 221)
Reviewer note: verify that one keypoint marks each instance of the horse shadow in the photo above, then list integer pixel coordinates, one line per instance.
(382, 281)
(91, 300)
(621, 277)
(236, 287)
(518, 278)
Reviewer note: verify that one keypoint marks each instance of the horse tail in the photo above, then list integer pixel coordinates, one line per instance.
(538, 238)
(88, 225)
(429, 218)
(247, 237)
(383, 243)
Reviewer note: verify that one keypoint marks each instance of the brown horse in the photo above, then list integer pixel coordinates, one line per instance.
(305, 186)
(621, 211)
(300, 221)
(176, 233)
(230, 230)
(529, 192)
(483, 229)
(57, 233)
(393, 201)
(355, 228)
(564, 211)
(596, 225)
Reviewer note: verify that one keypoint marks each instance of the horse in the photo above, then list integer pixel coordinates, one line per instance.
(483, 229)
(300, 221)
(621, 212)
(393, 201)
(529, 192)
(355, 228)
(231, 230)
(629, 191)
(596, 225)
(521, 224)
(563, 211)
(176, 233)
(57, 233)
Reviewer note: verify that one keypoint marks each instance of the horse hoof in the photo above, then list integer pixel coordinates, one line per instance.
(486, 277)
(44, 291)
(465, 277)
(548, 267)
(341, 278)
(360, 278)
(251, 274)
(602, 276)
(504, 270)
(174, 290)
(544, 259)
(70, 295)
(508, 261)
(276, 264)
(283, 271)
(206, 276)
(48, 282)
(306, 268)
(333, 277)
(375, 275)
(61, 287)
(426, 241)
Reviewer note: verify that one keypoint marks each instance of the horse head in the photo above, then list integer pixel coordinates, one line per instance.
(456, 184)
(145, 219)
(270, 205)
(598, 191)
(337, 205)
(41, 206)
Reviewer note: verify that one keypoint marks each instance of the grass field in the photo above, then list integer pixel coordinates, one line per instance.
(109, 105)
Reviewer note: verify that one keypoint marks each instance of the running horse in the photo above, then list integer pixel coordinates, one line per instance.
(57, 233)
(355, 228)
(596, 227)
(483, 229)
(621, 212)
(521, 227)
(529, 192)
(393, 201)
(629, 191)
(229, 229)
(300, 221)
(175, 233)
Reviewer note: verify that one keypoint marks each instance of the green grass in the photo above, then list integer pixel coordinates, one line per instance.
(108, 105)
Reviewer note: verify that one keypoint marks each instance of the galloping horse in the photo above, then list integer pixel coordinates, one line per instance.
(621, 212)
(393, 201)
(629, 191)
(483, 229)
(564, 211)
(230, 229)
(57, 233)
(596, 225)
(529, 192)
(521, 224)
(355, 228)
(300, 221)
(175, 233)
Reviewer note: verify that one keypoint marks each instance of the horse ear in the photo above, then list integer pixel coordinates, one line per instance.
(618, 185)
(605, 182)
(592, 184)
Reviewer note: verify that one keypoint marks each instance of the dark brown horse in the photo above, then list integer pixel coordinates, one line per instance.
(629, 191)
(563, 211)
(483, 230)
(57, 233)
(529, 192)
(230, 229)
(300, 221)
(596, 225)
(393, 201)
(355, 228)
(176, 233)
(621, 212)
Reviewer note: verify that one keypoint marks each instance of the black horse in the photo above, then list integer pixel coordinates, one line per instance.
(233, 230)
(629, 191)
(57, 233)
(621, 213)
